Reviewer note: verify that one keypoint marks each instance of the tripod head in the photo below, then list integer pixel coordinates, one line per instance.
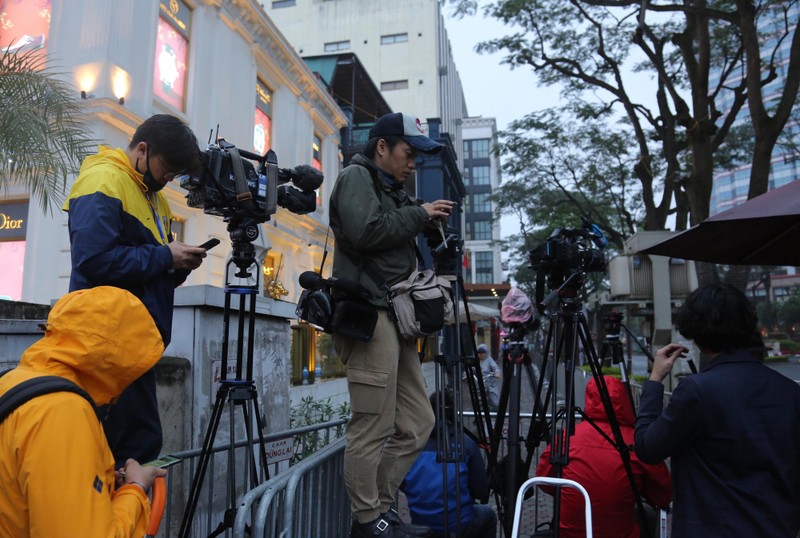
(243, 254)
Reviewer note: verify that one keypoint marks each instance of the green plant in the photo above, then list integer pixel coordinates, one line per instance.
(308, 413)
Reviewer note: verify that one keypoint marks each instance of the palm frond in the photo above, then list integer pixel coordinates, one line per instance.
(44, 134)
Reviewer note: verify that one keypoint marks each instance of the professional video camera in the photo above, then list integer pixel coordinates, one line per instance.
(564, 258)
(567, 249)
(350, 316)
(232, 187)
(612, 323)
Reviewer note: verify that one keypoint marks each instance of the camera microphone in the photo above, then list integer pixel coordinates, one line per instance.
(310, 280)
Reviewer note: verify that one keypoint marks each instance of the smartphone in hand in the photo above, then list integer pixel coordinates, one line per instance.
(211, 243)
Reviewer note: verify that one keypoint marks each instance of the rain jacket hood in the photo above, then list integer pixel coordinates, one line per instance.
(101, 338)
(593, 405)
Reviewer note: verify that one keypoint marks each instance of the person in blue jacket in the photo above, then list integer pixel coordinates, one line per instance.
(426, 489)
(120, 235)
(732, 430)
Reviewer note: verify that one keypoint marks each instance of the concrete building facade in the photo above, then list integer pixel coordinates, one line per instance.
(403, 46)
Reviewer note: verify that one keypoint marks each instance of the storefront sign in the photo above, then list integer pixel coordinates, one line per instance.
(13, 221)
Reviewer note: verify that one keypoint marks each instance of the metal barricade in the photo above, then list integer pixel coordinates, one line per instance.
(307, 501)
(214, 496)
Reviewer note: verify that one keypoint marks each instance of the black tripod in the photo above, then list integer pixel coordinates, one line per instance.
(508, 473)
(460, 361)
(612, 351)
(239, 391)
(569, 330)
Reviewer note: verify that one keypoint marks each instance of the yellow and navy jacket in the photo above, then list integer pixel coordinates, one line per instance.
(56, 469)
(119, 234)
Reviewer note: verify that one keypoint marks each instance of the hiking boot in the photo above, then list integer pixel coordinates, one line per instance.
(405, 529)
(377, 527)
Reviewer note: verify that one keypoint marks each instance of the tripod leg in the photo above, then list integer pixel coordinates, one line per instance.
(202, 464)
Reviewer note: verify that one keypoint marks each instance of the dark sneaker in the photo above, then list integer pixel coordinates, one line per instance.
(405, 529)
(376, 527)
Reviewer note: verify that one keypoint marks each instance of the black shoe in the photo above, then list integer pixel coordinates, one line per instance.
(405, 529)
(377, 527)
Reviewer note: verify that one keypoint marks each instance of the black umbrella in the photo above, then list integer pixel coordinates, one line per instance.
(761, 231)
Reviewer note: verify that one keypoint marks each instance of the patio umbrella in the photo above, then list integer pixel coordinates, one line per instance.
(762, 231)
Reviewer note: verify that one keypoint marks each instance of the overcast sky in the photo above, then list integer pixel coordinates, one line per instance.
(492, 89)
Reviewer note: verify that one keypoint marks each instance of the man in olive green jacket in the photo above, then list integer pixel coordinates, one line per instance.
(375, 224)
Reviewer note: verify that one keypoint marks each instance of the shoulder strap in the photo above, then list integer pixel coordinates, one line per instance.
(38, 386)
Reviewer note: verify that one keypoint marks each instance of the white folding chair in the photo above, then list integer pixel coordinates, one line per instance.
(546, 480)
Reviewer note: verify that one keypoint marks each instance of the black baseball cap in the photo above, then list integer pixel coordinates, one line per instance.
(406, 127)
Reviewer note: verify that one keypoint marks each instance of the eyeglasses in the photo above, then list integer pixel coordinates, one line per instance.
(169, 176)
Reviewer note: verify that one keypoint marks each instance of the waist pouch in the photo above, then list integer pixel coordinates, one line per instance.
(354, 319)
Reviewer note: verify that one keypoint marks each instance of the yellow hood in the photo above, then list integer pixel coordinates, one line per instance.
(101, 338)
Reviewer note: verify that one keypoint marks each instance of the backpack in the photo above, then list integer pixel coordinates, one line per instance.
(37, 386)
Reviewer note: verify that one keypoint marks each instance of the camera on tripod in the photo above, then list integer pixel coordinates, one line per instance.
(570, 250)
(612, 323)
(232, 187)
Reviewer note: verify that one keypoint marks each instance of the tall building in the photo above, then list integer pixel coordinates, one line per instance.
(481, 178)
(402, 45)
(731, 186)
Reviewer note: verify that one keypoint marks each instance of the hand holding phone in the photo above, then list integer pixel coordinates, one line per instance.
(211, 243)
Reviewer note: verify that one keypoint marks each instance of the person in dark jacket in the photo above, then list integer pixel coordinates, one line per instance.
(732, 430)
(597, 465)
(426, 487)
(375, 223)
(119, 229)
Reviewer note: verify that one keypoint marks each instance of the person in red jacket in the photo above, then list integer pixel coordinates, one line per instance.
(597, 465)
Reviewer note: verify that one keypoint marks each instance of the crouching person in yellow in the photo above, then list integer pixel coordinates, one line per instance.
(57, 474)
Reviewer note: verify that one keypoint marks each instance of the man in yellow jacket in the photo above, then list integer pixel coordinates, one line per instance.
(56, 470)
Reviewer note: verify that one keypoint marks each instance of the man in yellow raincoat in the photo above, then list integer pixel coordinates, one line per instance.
(56, 469)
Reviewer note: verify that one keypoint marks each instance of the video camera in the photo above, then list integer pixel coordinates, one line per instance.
(564, 258)
(349, 315)
(232, 187)
(567, 249)
(612, 323)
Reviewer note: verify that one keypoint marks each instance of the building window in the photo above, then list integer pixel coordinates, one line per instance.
(172, 53)
(394, 85)
(316, 159)
(316, 162)
(484, 268)
(394, 38)
(481, 229)
(25, 26)
(276, 4)
(262, 130)
(478, 175)
(476, 149)
(479, 203)
(337, 46)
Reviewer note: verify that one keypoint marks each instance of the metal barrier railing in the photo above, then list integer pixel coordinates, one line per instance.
(307, 501)
(216, 497)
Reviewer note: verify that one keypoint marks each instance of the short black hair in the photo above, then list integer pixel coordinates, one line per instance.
(172, 140)
(372, 144)
(718, 317)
